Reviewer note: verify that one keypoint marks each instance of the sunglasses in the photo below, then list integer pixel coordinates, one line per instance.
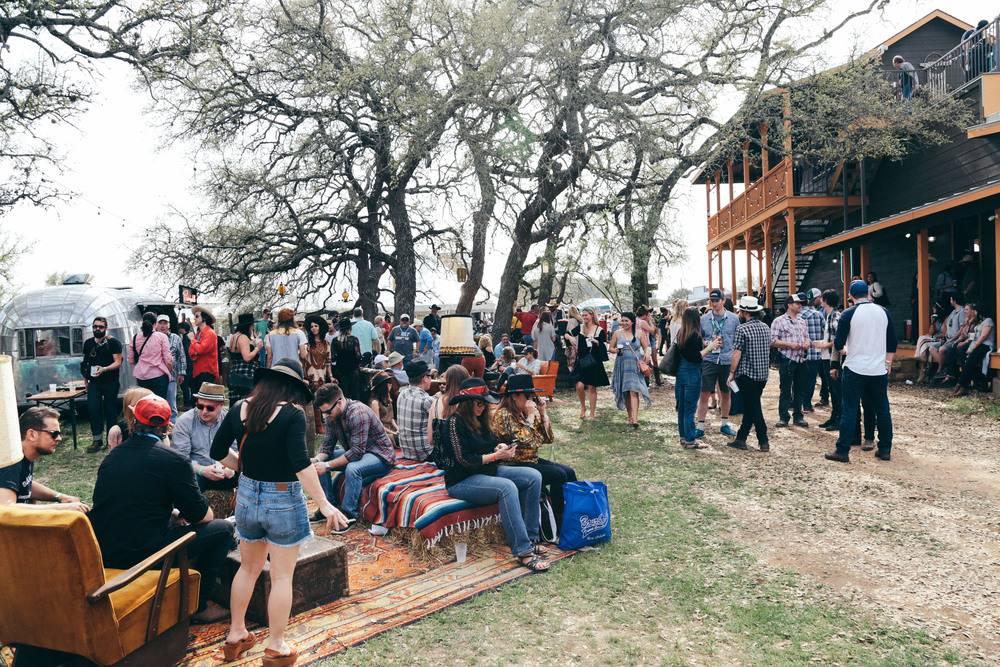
(327, 412)
(56, 434)
(210, 408)
(99, 327)
(479, 404)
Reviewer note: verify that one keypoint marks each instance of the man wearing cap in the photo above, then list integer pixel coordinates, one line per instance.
(404, 339)
(380, 362)
(193, 435)
(146, 496)
(40, 435)
(204, 348)
(433, 321)
(365, 452)
(365, 332)
(180, 363)
(396, 363)
(717, 323)
(868, 332)
(750, 368)
(425, 348)
(790, 335)
(815, 321)
(413, 407)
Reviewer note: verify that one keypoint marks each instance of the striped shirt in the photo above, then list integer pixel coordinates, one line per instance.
(753, 340)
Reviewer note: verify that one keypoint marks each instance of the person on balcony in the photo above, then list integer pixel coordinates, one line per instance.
(907, 77)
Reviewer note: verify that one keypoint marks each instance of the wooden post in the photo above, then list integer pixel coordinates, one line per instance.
(718, 194)
(729, 170)
(732, 266)
(790, 222)
(923, 285)
(708, 198)
(760, 268)
(763, 149)
(746, 165)
(746, 239)
(710, 270)
(864, 262)
(996, 255)
(722, 285)
(787, 113)
(769, 266)
(846, 261)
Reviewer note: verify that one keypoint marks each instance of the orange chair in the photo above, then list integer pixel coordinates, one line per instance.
(59, 599)
(545, 381)
(475, 365)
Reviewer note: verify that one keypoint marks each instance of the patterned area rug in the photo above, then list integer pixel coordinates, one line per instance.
(389, 589)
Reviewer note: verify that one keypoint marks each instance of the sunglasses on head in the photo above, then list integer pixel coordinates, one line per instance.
(210, 408)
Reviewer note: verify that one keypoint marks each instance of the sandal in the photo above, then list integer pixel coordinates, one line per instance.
(234, 651)
(539, 549)
(534, 563)
(274, 659)
(695, 444)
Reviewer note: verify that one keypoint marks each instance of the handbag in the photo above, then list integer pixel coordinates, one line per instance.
(587, 517)
(547, 527)
(640, 364)
(583, 363)
(671, 361)
(241, 383)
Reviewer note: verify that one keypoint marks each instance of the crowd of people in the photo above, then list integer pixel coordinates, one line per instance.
(372, 390)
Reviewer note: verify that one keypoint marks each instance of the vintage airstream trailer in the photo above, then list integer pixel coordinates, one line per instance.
(44, 330)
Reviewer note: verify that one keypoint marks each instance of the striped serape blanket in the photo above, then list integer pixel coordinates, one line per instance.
(412, 495)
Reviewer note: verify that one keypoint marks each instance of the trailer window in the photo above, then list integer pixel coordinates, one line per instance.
(77, 341)
(45, 342)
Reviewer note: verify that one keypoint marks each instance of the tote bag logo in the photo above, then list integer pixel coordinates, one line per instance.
(592, 526)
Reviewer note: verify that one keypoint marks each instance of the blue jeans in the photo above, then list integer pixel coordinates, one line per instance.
(791, 386)
(873, 390)
(172, 400)
(526, 339)
(809, 389)
(102, 405)
(517, 491)
(357, 475)
(273, 512)
(687, 391)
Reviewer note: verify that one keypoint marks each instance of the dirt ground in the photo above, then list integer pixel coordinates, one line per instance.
(914, 538)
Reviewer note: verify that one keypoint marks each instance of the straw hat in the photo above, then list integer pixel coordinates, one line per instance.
(211, 392)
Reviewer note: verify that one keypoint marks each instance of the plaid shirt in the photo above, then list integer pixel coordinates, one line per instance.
(412, 410)
(791, 331)
(815, 321)
(830, 331)
(177, 352)
(360, 431)
(753, 340)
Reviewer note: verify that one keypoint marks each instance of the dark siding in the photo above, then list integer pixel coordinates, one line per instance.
(922, 46)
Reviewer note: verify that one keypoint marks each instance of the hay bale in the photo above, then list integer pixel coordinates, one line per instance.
(221, 502)
(491, 534)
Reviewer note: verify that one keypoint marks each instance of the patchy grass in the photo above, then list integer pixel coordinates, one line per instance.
(977, 404)
(671, 588)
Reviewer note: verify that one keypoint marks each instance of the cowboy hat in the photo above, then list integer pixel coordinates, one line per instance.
(324, 326)
(244, 318)
(380, 379)
(474, 389)
(520, 384)
(202, 309)
(289, 371)
(394, 358)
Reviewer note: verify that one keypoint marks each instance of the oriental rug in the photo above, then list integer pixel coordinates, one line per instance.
(389, 589)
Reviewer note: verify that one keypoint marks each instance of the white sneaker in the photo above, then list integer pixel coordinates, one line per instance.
(378, 530)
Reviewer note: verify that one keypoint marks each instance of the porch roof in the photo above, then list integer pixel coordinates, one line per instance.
(851, 236)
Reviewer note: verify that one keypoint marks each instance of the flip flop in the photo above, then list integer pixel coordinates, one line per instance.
(234, 651)
(697, 444)
(534, 563)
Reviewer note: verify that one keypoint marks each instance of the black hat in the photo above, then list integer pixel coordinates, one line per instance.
(434, 306)
(344, 324)
(324, 326)
(474, 389)
(716, 294)
(520, 384)
(417, 369)
(290, 371)
(380, 379)
(244, 318)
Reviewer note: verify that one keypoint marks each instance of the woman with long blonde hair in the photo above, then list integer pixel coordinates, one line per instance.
(124, 429)
(441, 409)
(591, 345)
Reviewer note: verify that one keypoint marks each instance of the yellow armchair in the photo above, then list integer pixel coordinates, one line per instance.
(58, 598)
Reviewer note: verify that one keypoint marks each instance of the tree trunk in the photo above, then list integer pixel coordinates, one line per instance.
(548, 277)
(405, 271)
(480, 224)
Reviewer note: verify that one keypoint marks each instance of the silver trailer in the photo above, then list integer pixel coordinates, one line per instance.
(44, 330)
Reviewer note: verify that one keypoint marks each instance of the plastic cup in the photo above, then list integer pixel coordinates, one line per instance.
(52, 387)
(461, 549)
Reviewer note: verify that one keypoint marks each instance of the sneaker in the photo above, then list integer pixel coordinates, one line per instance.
(868, 446)
(210, 614)
(698, 433)
(834, 456)
(883, 456)
(800, 422)
(781, 423)
(835, 426)
(808, 411)
(378, 530)
(766, 447)
(826, 423)
(341, 531)
(738, 444)
(727, 430)
(318, 516)
(823, 403)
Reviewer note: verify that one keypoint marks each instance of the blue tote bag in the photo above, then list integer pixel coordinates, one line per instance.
(587, 517)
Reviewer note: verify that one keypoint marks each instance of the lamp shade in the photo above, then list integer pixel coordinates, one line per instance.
(10, 432)
(456, 335)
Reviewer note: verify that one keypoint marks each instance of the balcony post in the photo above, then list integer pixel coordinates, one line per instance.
(746, 167)
(923, 285)
(746, 240)
(718, 195)
(996, 251)
(709, 270)
(729, 169)
(864, 262)
(769, 266)
(763, 149)
(790, 222)
(760, 268)
(732, 266)
(722, 285)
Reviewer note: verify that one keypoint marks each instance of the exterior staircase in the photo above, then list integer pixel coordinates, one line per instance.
(806, 232)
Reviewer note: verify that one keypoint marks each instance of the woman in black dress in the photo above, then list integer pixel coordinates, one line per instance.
(591, 352)
(346, 352)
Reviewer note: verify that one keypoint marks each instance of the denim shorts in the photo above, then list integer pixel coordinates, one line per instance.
(273, 512)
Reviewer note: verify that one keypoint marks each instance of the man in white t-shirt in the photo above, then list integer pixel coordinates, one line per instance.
(867, 331)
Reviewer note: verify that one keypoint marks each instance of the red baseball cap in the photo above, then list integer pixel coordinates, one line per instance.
(152, 410)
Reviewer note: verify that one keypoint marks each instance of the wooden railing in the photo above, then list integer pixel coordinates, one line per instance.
(763, 194)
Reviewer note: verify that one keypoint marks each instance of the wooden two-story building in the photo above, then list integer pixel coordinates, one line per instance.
(802, 226)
